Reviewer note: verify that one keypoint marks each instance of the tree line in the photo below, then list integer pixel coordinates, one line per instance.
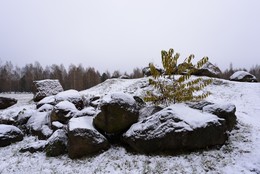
(20, 79)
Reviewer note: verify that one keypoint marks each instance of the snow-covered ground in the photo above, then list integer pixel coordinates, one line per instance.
(241, 154)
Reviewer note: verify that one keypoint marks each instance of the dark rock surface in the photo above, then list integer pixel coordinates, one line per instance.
(84, 139)
(7, 102)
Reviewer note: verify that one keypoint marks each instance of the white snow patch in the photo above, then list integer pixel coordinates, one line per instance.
(119, 96)
(69, 95)
(81, 123)
(47, 100)
(66, 106)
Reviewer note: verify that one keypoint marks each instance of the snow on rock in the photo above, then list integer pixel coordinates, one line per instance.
(88, 111)
(176, 128)
(119, 97)
(44, 88)
(225, 111)
(63, 111)
(9, 134)
(208, 69)
(72, 96)
(47, 100)
(24, 115)
(119, 108)
(45, 108)
(37, 146)
(84, 139)
(36, 122)
(243, 76)
(57, 143)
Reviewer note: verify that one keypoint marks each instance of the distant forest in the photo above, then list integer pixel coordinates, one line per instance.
(20, 79)
(16, 79)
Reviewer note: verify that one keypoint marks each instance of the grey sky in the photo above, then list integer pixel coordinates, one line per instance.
(124, 34)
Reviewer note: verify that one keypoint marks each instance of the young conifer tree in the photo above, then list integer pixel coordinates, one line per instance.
(171, 89)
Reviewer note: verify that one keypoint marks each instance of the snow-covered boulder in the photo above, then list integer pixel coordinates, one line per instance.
(44, 88)
(243, 76)
(7, 102)
(57, 143)
(47, 100)
(72, 96)
(24, 115)
(38, 125)
(209, 70)
(45, 108)
(176, 128)
(225, 111)
(37, 146)
(9, 134)
(84, 139)
(63, 111)
(118, 112)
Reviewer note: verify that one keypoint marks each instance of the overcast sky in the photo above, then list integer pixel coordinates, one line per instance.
(124, 34)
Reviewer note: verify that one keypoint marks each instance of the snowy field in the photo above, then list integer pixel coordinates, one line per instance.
(241, 153)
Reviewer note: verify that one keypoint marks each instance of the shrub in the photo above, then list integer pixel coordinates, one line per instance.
(170, 88)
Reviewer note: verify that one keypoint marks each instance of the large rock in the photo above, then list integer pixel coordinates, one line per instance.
(174, 129)
(243, 76)
(38, 125)
(118, 112)
(72, 96)
(57, 143)
(225, 111)
(44, 88)
(209, 70)
(84, 139)
(63, 112)
(9, 134)
(7, 102)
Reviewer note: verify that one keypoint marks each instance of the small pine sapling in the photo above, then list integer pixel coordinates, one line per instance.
(171, 89)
